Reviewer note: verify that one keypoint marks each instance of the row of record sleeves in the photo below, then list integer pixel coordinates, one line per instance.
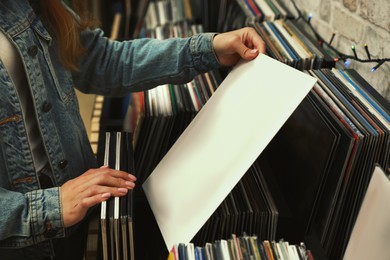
(292, 42)
(265, 10)
(116, 240)
(241, 247)
(164, 12)
(289, 41)
(135, 16)
(329, 147)
(308, 184)
(214, 15)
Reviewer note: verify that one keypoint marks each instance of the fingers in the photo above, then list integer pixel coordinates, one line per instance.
(244, 43)
(250, 44)
(103, 181)
(92, 188)
(106, 177)
(101, 189)
(246, 53)
(256, 40)
(95, 200)
(102, 195)
(106, 169)
(113, 178)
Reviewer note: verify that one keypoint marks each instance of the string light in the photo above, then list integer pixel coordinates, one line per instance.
(341, 56)
(377, 66)
(309, 18)
(368, 53)
(331, 39)
(354, 51)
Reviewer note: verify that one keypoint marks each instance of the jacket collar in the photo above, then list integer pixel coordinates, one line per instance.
(17, 16)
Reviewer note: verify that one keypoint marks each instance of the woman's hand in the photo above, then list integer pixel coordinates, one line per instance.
(244, 43)
(91, 188)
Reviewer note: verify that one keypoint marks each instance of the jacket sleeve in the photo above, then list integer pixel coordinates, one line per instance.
(30, 218)
(115, 68)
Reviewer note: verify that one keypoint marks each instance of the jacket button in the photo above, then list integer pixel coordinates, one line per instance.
(32, 51)
(46, 106)
(62, 164)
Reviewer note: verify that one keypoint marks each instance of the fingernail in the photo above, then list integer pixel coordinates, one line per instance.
(122, 190)
(106, 195)
(104, 166)
(253, 51)
(132, 177)
(129, 183)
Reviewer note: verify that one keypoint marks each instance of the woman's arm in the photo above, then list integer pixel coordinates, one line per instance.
(116, 68)
(28, 219)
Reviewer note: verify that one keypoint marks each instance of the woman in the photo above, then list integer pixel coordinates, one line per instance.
(48, 174)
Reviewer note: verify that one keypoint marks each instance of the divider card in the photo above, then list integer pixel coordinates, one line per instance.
(371, 232)
(221, 143)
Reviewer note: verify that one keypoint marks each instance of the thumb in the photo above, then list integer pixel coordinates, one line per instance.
(245, 52)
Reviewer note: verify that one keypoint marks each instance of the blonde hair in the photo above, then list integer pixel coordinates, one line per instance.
(66, 28)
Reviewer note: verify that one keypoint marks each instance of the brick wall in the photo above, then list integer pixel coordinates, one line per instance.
(356, 22)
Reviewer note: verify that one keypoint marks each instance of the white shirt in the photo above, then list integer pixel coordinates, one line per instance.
(14, 66)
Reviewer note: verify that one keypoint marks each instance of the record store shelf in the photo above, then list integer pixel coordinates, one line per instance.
(312, 176)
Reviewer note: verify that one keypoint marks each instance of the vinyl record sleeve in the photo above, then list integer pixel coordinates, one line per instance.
(366, 89)
(116, 213)
(270, 47)
(265, 9)
(275, 8)
(246, 9)
(288, 58)
(356, 183)
(104, 207)
(337, 171)
(297, 61)
(293, 160)
(254, 9)
(301, 53)
(221, 143)
(366, 163)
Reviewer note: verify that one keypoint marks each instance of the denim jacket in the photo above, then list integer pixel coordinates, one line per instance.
(31, 216)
